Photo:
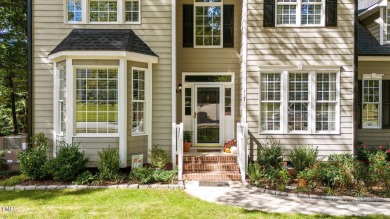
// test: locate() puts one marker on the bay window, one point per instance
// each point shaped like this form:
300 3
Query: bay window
138 101
299 102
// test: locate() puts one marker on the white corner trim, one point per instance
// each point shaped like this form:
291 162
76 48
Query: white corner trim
149 104
70 121
122 101
373 76
244 54
103 55
55 107
173 82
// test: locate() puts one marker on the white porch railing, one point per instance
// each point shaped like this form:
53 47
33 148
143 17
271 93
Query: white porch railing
242 151
177 149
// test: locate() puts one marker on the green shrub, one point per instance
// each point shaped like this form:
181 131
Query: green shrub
255 173
303 157
148 175
33 162
109 163
69 162
14 180
379 169
158 157
86 178
3 163
270 154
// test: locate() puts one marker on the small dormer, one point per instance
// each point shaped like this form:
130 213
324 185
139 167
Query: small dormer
374 15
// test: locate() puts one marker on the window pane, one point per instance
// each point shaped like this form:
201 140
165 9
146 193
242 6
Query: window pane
371 103
103 11
270 116
298 101
270 101
132 11
326 116
96 101
74 10
286 14
208 25
138 101
187 99
311 14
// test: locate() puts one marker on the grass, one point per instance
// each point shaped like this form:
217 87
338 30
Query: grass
124 204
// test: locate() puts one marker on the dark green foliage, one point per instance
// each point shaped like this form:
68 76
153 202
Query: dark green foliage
33 162
270 154
69 163
303 157
187 136
148 175
86 178
3 163
158 157
109 163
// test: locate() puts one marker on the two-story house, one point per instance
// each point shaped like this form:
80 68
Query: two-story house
123 73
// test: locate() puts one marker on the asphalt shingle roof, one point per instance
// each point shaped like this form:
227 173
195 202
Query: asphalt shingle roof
103 40
368 45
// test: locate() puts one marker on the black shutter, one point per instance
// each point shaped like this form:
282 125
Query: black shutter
228 26
188 25
359 108
269 13
331 13
386 104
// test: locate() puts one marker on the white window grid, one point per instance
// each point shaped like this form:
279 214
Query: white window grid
132 11
61 102
371 107
74 9
326 101
97 100
298 102
270 101
388 25
103 10
208 12
300 13
228 101
138 101
187 101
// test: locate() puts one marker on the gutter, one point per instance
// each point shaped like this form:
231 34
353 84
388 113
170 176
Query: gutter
355 80
29 71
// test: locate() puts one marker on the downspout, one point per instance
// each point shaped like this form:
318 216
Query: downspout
173 54
355 79
381 26
244 29
29 71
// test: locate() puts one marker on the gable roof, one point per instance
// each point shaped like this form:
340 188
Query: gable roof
103 40
365 4
368 45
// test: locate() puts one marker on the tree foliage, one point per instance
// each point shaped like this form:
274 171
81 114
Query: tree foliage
13 66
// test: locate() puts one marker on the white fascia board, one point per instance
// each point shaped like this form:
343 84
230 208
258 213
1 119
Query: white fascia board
298 67
103 55
374 58
369 11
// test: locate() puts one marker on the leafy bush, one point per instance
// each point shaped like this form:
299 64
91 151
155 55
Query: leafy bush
109 163
14 180
3 163
86 178
379 169
148 175
33 162
158 157
270 154
255 173
69 163
303 157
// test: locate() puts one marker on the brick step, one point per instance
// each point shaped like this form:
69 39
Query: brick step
214 159
207 166
212 176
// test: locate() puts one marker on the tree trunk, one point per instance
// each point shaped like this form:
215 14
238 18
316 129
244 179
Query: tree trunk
13 105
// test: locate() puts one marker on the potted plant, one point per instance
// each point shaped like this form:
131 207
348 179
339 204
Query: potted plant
187 137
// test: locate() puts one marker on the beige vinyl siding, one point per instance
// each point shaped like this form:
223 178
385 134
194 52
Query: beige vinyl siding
91 146
209 60
155 31
321 46
374 137
373 26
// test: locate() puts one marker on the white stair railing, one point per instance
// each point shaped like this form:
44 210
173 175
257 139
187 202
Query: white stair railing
177 149
242 151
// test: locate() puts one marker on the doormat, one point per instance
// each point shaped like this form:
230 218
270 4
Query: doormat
208 150
213 184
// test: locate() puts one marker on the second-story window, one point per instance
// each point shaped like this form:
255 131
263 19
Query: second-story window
103 11
300 12
132 11
208 23
74 10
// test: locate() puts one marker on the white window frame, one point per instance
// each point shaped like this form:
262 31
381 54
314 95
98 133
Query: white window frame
312 88
104 22
121 19
145 101
387 22
119 93
210 4
298 14
371 77
139 12
67 15
272 101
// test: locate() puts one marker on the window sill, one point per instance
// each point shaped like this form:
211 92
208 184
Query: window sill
96 135
138 134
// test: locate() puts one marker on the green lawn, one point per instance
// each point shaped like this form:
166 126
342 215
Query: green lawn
116 203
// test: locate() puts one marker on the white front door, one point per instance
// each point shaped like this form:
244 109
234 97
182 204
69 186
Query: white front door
208 120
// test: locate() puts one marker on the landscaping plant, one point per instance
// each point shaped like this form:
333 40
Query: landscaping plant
158 157
33 162
69 162
303 157
255 173
86 178
109 163
379 169
270 154
3 163
14 180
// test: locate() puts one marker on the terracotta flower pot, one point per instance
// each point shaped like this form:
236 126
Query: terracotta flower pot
187 146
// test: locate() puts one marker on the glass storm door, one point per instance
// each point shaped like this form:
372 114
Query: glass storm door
207 115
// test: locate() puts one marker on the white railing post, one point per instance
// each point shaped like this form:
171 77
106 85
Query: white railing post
180 151
242 142
174 145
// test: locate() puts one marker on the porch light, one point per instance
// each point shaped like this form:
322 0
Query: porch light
179 88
